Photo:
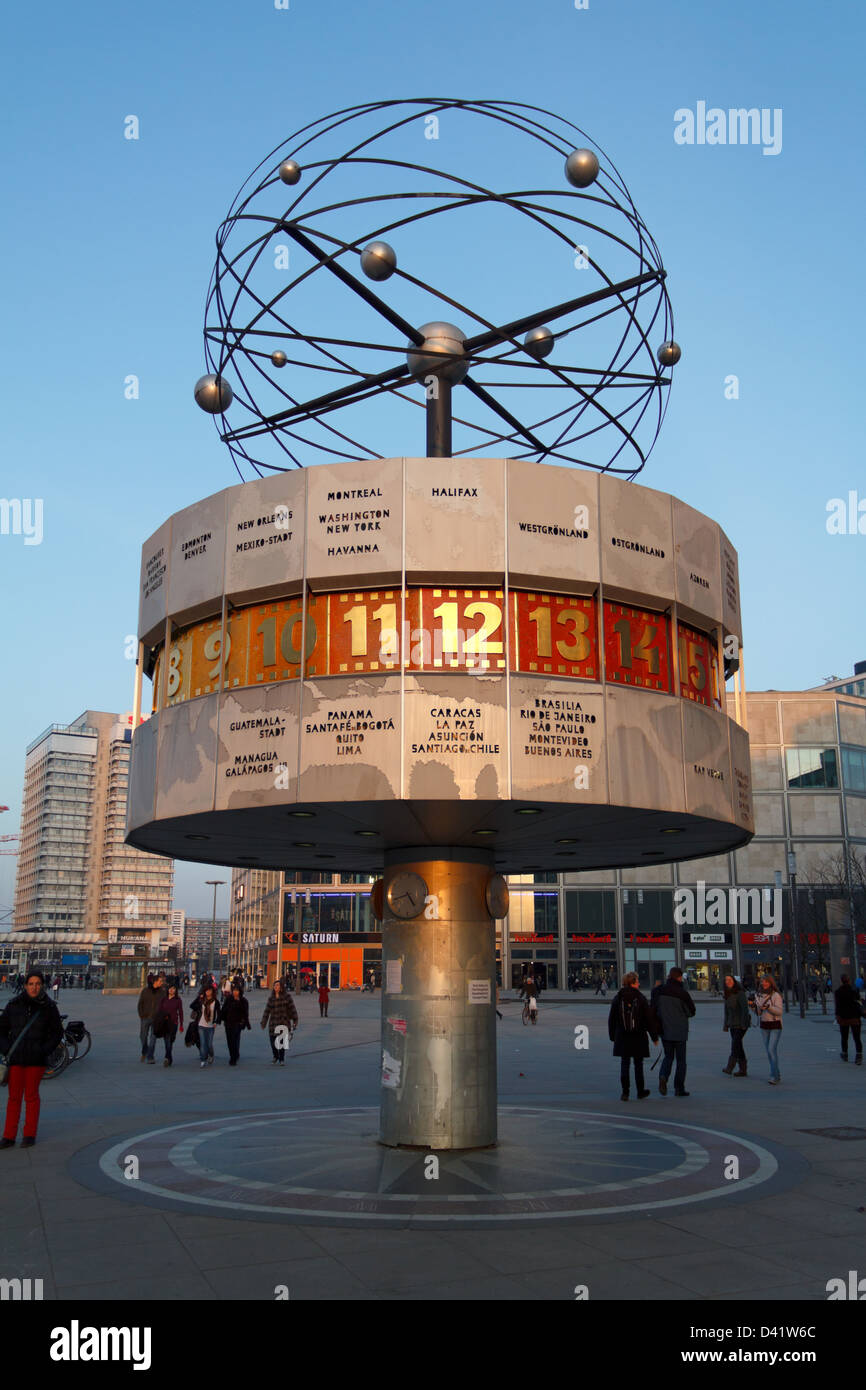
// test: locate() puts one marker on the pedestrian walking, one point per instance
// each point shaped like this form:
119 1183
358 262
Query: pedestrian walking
372 979
768 1006
169 1018
148 1007
324 997
206 1011
236 1017
280 1014
674 1007
30 1030
849 1018
55 988
736 1020
630 1024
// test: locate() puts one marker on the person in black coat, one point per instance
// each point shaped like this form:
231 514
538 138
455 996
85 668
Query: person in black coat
236 1017
207 1013
630 1024
848 1018
673 1007
34 1011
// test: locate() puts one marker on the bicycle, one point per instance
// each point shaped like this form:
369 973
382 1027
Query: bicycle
77 1037
529 1013
75 1043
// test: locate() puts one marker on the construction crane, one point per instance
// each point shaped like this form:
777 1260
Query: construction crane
7 837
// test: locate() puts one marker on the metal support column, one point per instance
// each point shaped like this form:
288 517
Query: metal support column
439 419
438 1005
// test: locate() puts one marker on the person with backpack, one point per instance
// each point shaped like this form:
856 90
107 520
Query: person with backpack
737 1020
236 1017
674 1007
849 1017
768 1006
629 1025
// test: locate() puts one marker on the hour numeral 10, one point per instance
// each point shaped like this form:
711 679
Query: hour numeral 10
291 628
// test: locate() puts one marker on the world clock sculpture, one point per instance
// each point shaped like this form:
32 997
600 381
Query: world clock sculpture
501 656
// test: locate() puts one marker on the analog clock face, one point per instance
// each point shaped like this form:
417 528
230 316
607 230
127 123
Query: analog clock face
406 894
376 899
496 895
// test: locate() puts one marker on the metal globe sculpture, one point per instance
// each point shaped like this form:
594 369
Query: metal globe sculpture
451 664
512 225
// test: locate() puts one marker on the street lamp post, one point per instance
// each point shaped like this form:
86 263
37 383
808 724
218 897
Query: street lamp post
786 956
217 883
795 937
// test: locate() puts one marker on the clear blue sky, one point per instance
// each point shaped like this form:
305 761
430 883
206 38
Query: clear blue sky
109 244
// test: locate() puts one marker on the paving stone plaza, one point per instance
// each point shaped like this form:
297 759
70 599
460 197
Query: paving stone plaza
260 1182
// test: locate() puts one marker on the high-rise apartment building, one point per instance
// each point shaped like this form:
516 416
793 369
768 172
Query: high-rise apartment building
198 932
78 885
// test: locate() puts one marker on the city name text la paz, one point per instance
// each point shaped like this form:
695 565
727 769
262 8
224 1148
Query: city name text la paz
77 1343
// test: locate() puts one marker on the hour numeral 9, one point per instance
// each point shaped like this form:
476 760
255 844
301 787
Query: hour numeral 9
212 649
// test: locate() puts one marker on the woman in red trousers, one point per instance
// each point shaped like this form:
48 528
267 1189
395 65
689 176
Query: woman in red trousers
30 1029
